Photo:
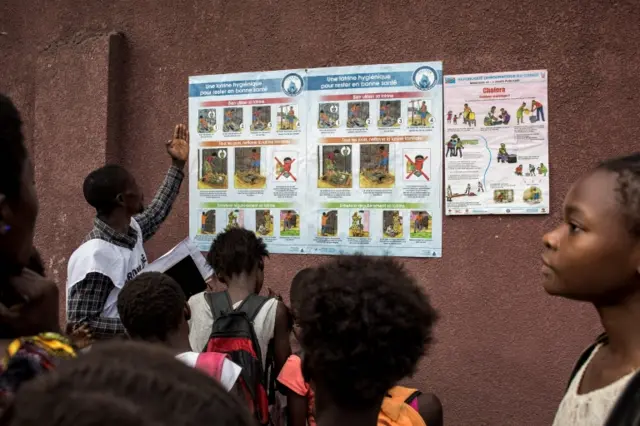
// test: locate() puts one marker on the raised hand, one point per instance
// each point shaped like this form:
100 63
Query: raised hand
178 147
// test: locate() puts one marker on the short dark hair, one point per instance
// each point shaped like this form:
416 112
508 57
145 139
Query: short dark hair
287 159
102 186
419 157
151 306
364 323
236 251
14 153
297 286
128 384
628 170
35 263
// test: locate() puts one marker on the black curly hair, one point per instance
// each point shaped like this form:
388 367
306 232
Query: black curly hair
296 292
236 251
151 306
628 170
102 186
364 324
125 384
14 153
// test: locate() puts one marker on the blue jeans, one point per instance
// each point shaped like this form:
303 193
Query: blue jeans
540 113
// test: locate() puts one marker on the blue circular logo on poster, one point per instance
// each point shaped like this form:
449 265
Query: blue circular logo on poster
424 78
292 85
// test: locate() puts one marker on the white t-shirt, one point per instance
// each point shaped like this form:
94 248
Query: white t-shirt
118 263
589 409
202 321
230 370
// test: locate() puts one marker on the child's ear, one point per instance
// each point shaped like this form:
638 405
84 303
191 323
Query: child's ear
120 199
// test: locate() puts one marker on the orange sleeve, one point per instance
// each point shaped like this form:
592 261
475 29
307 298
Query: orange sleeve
291 376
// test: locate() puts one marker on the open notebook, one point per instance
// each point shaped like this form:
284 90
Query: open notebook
185 264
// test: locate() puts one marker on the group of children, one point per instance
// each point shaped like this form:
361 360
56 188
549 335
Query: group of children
361 324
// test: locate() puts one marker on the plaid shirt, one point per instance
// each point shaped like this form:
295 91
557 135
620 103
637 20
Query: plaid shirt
88 297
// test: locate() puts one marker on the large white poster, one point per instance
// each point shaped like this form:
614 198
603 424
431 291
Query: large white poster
322 161
496 143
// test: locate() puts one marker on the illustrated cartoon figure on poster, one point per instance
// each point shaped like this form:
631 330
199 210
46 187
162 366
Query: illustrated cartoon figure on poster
328 115
356 229
466 193
468 116
420 225
419 115
468 190
455 119
449 193
374 167
520 113
358 114
289 223
490 119
504 116
213 173
206 121
454 146
261 121
232 120
283 168
532 170
542 170
208 222
504 156
232 219
329 224
389 114
264 223
334 168
291 117
503 196
287 118
480 187
392 224
538 109
532 195
424 82
449 115
250 173
415 166
519 170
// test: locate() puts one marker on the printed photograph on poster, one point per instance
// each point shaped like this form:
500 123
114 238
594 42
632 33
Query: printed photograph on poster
285 166
358 115
288 118
390 114
207 222
376 169
420 224
359 224
250 169
334 166
233 120
392 224
207 121
419 113
417 165
235 219
289 223
328 223
264 223
213 169
499 165
328 115
261 119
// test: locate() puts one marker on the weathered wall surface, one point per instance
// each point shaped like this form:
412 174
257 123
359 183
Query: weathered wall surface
504 348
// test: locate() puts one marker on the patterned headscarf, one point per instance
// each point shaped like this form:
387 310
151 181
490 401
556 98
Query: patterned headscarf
28 357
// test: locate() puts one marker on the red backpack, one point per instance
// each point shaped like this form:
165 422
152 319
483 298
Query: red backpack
233 334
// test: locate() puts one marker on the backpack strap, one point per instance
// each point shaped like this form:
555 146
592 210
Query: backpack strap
252 305
584 357
220 303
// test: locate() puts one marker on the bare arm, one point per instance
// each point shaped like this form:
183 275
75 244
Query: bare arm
282 347
430 409
297 406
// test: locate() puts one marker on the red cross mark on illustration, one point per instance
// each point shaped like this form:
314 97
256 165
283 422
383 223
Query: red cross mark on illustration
417 164
286 168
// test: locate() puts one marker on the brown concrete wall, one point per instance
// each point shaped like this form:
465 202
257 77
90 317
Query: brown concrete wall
504 348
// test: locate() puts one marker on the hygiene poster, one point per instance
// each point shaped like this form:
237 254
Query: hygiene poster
496 143
320 161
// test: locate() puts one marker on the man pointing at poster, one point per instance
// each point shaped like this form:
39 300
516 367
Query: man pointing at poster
113 252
